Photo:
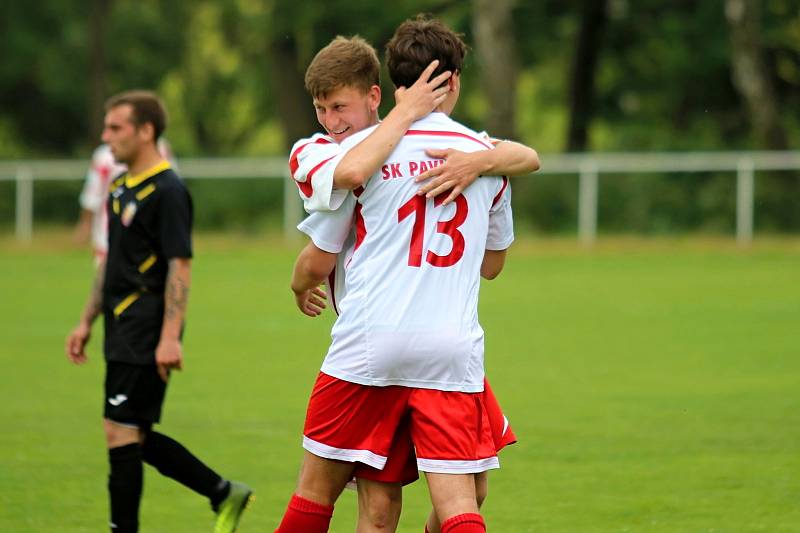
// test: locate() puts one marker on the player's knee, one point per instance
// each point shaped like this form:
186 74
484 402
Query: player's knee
480 497
481 488
383 509
117 435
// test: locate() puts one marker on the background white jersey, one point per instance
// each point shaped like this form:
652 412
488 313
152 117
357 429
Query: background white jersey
95 191
102 170
409 315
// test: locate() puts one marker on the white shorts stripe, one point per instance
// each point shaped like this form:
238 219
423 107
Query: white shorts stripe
440 466
341 454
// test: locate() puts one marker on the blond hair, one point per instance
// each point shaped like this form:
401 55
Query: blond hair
345 62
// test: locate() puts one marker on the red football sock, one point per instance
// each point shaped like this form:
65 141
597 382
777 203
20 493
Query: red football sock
305 516
464 523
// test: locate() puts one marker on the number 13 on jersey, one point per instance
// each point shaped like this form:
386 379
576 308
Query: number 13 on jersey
418 206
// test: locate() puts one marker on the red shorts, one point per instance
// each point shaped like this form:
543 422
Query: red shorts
451 431
501 430
401 465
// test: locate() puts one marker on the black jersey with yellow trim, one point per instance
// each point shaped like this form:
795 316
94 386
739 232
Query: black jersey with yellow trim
149 222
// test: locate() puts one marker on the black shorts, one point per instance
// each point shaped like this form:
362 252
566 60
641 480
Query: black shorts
134 394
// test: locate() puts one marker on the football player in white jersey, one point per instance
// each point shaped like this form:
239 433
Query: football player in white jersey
395 171
379 490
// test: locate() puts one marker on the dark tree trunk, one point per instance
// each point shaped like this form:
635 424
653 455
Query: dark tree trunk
751 75
98 20
582 74
294 109
496 54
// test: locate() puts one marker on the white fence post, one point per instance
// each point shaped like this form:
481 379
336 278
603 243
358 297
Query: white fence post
744 200
24 204
587 203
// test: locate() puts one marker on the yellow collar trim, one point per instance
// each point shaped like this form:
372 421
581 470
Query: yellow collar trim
133 181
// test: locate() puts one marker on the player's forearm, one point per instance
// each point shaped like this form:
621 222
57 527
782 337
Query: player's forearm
311 268
176 297
493 263
366 158
94 305
509 158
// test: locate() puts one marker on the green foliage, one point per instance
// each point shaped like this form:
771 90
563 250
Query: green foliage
247 204
42 85
664 79
664 82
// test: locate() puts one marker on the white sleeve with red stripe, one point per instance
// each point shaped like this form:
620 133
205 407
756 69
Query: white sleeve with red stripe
501 221
95 188
329 230
488 138
312 162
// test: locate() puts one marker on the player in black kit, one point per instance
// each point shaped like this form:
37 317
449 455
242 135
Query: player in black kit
142 290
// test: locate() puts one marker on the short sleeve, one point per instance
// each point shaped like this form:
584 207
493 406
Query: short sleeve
175 214
501 221
312 163
329 230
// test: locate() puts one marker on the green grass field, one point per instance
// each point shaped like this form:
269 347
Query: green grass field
654 386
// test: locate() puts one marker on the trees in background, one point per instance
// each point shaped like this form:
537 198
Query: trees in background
496 51
607 75
583 68
575 74
752 77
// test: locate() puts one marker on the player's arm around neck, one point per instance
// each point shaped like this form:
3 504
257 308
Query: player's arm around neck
461 169
169 352
510 158
412 104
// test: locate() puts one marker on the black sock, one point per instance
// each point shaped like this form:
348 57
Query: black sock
125 487
178 463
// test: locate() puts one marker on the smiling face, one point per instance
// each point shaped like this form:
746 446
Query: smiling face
347 110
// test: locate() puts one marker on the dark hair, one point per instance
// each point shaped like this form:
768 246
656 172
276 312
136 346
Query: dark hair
416 43
345 62
147 107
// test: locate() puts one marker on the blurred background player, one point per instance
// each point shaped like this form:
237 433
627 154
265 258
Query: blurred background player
93 220
142 287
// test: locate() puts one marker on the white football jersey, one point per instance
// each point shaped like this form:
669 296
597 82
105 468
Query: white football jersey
312 162
327 228
95 191
409 313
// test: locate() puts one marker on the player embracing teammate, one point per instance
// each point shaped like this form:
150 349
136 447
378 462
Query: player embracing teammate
406 359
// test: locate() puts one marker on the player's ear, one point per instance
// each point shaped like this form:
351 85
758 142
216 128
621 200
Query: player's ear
374 97
147 132
454 81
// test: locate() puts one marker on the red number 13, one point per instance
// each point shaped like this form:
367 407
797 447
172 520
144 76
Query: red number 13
417 206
